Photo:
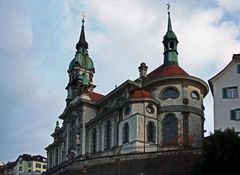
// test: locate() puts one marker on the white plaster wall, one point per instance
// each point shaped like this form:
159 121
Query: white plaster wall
222 106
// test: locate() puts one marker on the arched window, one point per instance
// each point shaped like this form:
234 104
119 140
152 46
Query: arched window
94 140
169 92
151 132
127 110
169 130
125 133
72 134
107 135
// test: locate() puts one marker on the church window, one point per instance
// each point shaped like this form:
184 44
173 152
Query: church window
170 92
169 130
230 92
150 109
195 95
125 133
56 156
127 110
94 140
151 132
72 134
107 134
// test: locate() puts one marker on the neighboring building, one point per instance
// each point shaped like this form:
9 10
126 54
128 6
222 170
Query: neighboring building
159 111
30 165
225 87
8 168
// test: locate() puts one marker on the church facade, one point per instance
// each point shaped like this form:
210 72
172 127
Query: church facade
159 111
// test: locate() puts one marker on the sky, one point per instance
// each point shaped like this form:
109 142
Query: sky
37 43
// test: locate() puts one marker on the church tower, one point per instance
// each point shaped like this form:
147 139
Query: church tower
180 96
81 70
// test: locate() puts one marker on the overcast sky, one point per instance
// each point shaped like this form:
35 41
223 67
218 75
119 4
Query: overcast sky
37 42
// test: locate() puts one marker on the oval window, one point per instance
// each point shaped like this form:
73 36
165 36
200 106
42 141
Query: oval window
170 93
195 95
150 109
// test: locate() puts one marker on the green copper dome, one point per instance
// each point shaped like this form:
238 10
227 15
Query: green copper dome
81 58
84 60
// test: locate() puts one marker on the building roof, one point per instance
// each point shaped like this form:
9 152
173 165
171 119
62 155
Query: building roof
210 81
28 157
167 70
95 97
139 93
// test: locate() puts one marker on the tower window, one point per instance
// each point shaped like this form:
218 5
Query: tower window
151 132
170 92
172 45
169 130
195 95
125 133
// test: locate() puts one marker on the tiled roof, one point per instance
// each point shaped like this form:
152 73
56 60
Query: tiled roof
169 70
95 97
139 93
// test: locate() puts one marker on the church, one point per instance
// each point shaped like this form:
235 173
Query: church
158 112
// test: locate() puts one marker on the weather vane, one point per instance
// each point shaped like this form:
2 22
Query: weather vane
168 7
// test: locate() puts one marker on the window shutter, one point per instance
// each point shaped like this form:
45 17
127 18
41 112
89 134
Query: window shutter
224 92
233 114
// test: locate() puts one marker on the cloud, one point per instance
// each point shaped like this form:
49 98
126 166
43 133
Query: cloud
231 5
16 33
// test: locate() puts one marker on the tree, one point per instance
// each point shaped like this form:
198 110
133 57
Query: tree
221 153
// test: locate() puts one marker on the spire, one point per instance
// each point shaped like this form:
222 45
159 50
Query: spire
170 42
169 23
82 43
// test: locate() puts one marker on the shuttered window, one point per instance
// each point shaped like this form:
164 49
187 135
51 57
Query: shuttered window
230 92
235 114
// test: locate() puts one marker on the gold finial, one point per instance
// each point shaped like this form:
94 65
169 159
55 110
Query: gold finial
83 16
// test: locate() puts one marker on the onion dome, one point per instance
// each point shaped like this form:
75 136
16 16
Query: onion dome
81 57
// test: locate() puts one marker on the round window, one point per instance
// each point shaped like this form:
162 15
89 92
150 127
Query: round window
170 92
195 95
150 109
